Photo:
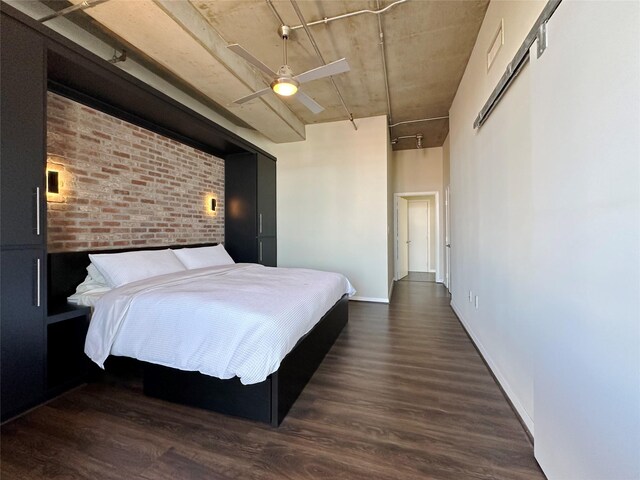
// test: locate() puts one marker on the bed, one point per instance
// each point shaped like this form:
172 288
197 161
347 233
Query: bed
246 395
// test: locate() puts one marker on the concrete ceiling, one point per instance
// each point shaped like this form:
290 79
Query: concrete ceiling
427 46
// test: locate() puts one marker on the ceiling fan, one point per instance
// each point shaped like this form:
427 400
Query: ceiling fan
285 83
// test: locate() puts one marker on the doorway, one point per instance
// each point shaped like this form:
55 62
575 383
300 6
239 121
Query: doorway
417 236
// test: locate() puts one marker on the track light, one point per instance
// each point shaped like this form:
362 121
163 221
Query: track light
418 138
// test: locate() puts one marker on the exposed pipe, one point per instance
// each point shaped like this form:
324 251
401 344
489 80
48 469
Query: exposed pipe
418 121
315 47
275 12
417 136
384 64
351 14
80 6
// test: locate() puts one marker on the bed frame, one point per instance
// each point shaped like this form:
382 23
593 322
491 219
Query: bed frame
268 401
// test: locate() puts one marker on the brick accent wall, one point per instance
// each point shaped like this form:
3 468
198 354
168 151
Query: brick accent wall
124 186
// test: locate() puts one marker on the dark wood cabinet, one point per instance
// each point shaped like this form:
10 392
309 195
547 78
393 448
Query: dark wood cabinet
22 323
22 133
266 196
250 208
23 215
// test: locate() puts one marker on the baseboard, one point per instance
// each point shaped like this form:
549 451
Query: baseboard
370 299
518 408
439 280
391 288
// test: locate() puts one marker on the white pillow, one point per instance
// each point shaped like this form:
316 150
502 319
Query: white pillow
89 291
94 274
122 268
201 257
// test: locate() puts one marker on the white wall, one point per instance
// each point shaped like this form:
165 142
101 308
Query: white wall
545 231
491 207
421 170
333 205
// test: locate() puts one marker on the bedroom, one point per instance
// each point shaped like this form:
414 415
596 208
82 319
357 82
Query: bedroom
506 247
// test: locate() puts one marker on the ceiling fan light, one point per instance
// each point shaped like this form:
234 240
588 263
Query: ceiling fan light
285 87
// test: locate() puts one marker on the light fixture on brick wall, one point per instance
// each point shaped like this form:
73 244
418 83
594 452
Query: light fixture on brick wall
53 185
213 204
55 177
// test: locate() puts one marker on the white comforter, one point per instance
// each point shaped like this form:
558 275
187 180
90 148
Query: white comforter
235 320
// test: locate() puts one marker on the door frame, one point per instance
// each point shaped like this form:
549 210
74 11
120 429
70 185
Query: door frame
436 195
447 237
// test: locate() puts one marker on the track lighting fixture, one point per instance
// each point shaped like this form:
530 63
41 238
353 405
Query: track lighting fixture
418 138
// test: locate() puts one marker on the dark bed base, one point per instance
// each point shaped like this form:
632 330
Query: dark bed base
268 401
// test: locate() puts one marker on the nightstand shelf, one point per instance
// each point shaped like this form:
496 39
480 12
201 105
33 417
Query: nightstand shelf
67 365
67 311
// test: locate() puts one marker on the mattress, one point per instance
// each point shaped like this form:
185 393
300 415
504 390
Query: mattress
226 321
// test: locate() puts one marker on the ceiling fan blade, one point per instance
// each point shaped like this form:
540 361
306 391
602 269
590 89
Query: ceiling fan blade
309 102
257 94
238 50
333 68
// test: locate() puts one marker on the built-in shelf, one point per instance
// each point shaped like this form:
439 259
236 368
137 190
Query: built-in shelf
66 311
67 365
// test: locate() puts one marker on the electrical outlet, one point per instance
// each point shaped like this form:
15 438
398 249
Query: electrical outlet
476 302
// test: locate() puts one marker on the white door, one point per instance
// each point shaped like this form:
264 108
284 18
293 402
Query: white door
447 239
418 236
586 230
402 239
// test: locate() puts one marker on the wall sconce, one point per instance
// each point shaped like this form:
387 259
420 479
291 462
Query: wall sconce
53 181
56 178
213 204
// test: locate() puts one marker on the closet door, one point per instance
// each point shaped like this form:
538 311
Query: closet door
586 181
22 323
266 196
22 134
250 208
267 251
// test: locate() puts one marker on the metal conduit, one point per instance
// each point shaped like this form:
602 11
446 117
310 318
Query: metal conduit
315 47
418 121
80 6
351 14
384 63
275 12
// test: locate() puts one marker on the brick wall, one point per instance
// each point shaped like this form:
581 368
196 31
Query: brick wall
124 186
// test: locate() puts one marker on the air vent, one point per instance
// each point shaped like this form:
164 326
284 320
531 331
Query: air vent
496 43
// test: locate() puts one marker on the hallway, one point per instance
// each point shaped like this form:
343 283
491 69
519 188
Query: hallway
402 395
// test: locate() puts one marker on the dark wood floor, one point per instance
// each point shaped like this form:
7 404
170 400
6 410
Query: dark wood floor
402 395
419 277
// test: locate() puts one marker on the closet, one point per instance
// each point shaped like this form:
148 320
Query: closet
23 231
250 208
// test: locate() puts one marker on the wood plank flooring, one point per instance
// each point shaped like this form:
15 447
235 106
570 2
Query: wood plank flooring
403 394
